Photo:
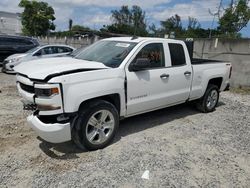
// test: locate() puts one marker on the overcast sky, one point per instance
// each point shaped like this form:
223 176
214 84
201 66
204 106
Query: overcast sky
96 13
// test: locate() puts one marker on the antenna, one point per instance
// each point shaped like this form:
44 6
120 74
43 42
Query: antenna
134 36
135 27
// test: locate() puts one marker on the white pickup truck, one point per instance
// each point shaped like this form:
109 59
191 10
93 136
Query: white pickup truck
82 98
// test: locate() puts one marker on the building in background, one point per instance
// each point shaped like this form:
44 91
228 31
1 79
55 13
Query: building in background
10 23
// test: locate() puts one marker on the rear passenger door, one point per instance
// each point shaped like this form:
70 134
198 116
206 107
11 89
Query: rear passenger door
180 73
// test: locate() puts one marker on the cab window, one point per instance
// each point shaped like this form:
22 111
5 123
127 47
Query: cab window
177 54
154 53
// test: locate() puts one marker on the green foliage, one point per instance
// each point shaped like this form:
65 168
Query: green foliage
234 19
37 17
154 32
76 30
128 21
172 25
79 29
193 23
199 33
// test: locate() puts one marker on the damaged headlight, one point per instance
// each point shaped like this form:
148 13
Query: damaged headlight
48 92
48 97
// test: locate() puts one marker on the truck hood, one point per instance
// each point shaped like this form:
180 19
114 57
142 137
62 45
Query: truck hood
50 67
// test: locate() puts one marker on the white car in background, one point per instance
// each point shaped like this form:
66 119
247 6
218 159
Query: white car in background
43 51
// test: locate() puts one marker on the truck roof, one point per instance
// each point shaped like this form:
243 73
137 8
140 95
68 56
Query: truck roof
188 44
139 39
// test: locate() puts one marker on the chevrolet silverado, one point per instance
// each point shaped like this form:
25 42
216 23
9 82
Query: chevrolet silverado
82 98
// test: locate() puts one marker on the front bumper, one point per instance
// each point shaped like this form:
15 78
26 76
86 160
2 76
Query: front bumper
7 69
51 132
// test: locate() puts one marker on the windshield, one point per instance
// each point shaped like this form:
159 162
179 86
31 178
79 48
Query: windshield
76 52
110 53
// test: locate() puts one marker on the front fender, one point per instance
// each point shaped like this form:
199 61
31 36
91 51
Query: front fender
79 87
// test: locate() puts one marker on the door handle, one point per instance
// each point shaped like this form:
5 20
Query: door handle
164 76
187 73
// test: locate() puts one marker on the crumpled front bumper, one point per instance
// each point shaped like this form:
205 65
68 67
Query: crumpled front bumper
51 132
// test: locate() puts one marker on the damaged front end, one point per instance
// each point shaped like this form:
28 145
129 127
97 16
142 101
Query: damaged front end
44 104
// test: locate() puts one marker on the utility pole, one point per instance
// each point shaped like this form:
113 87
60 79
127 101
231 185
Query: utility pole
214 15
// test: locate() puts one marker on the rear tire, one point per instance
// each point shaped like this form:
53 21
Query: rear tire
96 125
209 100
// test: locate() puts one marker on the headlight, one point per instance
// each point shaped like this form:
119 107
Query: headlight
14 60
10 61
46 92
48 97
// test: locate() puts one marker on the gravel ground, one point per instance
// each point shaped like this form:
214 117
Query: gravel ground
179 146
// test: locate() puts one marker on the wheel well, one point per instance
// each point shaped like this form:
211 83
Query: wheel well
113 99
216 81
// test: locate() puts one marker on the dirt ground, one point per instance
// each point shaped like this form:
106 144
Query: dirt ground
179 146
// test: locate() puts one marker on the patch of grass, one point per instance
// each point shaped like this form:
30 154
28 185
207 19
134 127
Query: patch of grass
241 90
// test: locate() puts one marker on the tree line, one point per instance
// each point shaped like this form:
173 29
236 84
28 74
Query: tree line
38 20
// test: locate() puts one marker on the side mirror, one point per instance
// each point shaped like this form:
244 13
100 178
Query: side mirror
140 64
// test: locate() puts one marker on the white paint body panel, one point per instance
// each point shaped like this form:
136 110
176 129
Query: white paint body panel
54 133
202 75
91 84
40 69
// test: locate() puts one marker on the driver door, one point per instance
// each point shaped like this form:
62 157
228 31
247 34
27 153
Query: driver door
146 89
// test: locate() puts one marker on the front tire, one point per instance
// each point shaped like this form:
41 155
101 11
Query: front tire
96 125
210 99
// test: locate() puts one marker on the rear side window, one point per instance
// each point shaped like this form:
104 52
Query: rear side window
48 50
64 49
177 54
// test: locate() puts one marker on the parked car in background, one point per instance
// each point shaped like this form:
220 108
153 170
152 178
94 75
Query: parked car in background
15 44
43 51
